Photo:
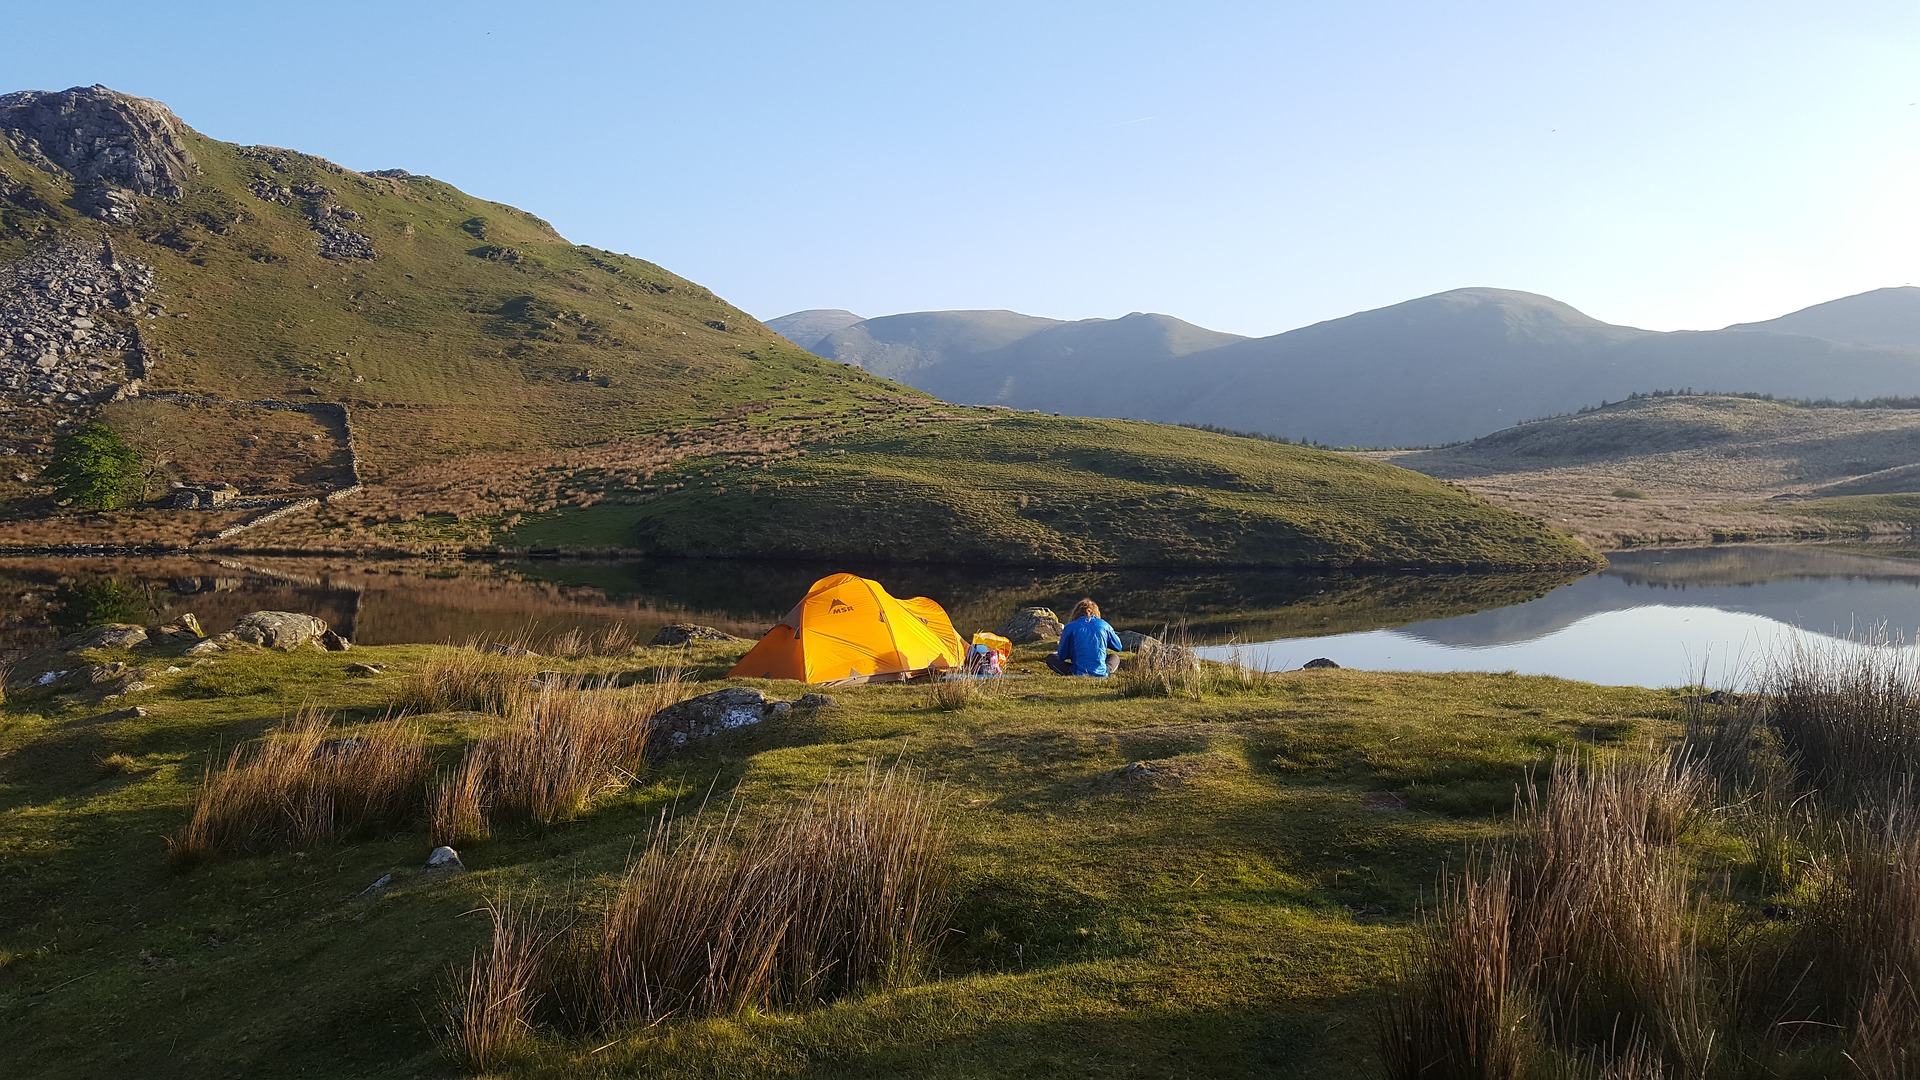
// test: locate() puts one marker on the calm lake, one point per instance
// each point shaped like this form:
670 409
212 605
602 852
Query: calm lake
1653 618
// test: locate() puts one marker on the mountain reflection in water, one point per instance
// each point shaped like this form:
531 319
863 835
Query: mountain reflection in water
1652 618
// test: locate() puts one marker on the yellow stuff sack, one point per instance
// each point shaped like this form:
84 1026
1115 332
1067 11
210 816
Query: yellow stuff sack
996 643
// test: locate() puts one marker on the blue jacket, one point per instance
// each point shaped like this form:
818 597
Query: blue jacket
1084 643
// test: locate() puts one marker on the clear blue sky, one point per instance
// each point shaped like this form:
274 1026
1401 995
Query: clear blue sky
1251 167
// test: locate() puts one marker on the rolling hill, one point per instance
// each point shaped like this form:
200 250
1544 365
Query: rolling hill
1439 369
381 362
1880 317
1694 468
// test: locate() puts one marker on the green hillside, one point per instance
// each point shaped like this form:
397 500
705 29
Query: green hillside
508 389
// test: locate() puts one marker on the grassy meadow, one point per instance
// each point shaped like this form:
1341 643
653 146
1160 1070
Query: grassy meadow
1207 884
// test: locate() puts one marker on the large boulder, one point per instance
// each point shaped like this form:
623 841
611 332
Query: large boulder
710 714
278 629
683 633
1030 625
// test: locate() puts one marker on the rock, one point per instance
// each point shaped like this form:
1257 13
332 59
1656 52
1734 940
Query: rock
48 678
210 645
104 140
333 642
110 636
184 628
683 633
445 859
1318 662
283 630
379 886
710 714
365 669
497 649
1133 640
1029 625
815 701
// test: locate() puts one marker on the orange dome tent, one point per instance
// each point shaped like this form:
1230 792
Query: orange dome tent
848 628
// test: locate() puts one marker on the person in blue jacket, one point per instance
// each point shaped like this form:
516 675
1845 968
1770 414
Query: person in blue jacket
1084 642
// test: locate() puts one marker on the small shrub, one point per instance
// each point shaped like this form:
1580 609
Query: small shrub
119 764
962 692
94 468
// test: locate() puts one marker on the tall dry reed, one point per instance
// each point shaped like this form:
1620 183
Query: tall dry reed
457 805
1164 668
304 785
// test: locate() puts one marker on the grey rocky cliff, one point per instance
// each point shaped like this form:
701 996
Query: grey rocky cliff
112 145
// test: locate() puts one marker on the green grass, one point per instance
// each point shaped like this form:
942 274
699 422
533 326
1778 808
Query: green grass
1234 916
997 488
576 398
1866 512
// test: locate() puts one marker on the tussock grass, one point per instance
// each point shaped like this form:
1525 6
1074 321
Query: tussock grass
1848 716
305 785
844 892
1456 1015
492 1002
618 639
469 678
457 806
566 741
948 695
1580 931
1168 668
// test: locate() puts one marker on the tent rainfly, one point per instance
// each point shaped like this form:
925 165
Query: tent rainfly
849 629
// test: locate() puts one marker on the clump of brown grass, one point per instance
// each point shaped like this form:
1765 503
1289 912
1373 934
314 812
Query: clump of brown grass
492 1002
565 742
617 639
1863 937
1848 714
948 693
1455 1014
1166 668
457 807
1583 924
1604 923
299 787
468 678
843 892
6 676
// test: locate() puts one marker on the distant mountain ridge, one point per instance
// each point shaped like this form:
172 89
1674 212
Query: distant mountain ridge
1438 369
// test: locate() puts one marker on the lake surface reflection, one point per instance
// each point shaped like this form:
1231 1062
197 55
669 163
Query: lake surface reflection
1653 618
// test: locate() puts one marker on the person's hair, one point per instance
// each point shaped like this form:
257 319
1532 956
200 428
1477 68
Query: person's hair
1085 607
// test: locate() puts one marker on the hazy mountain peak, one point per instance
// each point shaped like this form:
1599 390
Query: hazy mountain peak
806 328
1880 317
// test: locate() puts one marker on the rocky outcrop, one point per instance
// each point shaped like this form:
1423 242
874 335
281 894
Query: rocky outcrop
711 714
111 145
328 218
1030 625
684 633
278 629
66 330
